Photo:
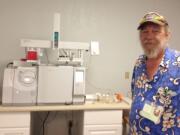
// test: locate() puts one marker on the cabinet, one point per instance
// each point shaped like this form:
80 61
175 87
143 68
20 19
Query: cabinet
103 122
15 123
14 131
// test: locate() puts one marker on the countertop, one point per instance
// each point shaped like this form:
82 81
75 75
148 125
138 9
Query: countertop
123 105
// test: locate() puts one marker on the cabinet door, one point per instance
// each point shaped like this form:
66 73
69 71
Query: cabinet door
14 131
103 130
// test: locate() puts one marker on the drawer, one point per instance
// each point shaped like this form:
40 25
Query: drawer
103 117
103 130
14 119
14 131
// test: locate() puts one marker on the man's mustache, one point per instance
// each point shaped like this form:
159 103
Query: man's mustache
148 41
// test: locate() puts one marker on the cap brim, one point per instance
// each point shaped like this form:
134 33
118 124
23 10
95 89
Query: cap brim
150 21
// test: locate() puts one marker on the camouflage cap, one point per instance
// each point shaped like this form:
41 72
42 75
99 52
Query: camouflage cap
154 18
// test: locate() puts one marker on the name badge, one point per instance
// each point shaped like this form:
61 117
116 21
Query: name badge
152 112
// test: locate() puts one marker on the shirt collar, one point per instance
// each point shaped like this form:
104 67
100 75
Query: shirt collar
166 58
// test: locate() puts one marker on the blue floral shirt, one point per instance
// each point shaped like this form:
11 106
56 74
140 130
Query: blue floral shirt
163 89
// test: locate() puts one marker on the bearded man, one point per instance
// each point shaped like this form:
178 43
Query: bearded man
155 109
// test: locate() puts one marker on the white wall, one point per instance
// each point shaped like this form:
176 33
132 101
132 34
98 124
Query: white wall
112 22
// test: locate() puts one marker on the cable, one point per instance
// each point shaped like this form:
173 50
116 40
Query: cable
44 121
70 118
52 117
70 125
10 63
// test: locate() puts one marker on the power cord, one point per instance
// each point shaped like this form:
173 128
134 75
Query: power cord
70 125
11 63
48 120
44 122
70 119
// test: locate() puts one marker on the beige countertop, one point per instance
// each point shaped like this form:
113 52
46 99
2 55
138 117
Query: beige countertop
87 106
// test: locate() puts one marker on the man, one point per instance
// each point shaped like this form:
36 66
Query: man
155 108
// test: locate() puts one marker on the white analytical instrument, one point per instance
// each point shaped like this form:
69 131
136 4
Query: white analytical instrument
53 72
61 79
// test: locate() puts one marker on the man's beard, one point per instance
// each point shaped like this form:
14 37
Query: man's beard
154 51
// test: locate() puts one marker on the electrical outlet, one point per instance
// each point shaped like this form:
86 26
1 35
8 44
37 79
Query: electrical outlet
127 75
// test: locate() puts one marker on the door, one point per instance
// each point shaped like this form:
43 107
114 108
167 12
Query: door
25 85
55 84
